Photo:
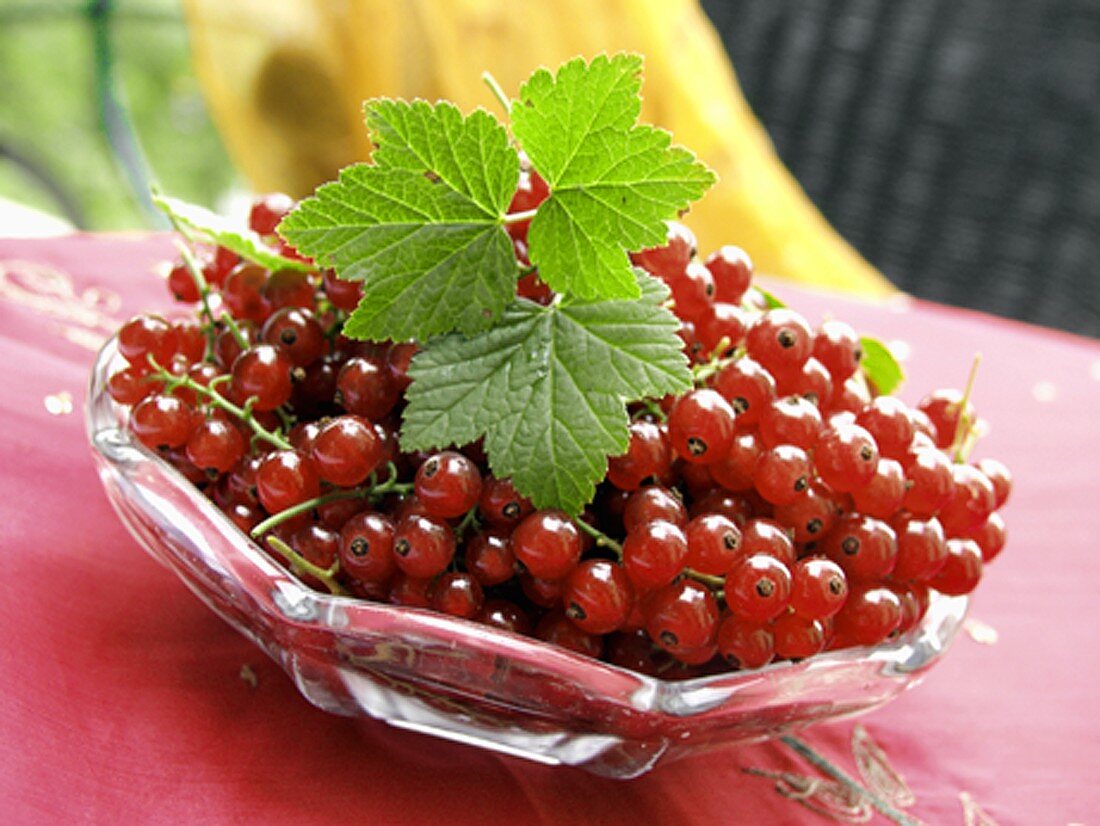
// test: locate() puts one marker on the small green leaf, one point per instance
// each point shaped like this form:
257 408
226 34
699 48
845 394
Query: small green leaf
770 300
215 229
879 365
613 184
547 387
421 226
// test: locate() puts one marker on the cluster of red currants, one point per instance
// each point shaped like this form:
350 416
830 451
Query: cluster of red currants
776 510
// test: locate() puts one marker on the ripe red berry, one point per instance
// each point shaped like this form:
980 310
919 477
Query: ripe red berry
714 544
285 478
961 570
548 543
448 484
780 340
366 547
654 554
745 644
837 346
267 211
598 596
797 637
500 504
865 547
162 421
782 474
457 594
870 614
701 426
758 588
845 457
147 336
749 389
490 558
423 546
652 503
346 451
819 588
732 271
682 617
263 373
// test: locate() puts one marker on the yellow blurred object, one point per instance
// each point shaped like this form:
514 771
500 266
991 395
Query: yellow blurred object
285 82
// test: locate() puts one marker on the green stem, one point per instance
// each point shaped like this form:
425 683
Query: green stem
234 330
963 426
199 278
602 539
469 520
707 579
173 381
653 409
301 565
498 92
841 777
701 372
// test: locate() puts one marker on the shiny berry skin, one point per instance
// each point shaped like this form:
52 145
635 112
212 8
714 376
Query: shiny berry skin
780 340
682 617
962 569
990 536
971 502
267 211
366 387
448 484
344 295
297 333
758 588
284 289
811 515
181 284
766 536
219 265
531 191
749 389
652 503
890 423
921 548
131 384
649 454
162 421
745 644
423 546
722 323
736 508
346 450
598 596
790 420
797 637
548 543
865 547
243 293
883 495
693 291
263 372
672 258
819 588
943 408
226 346
489 558
147 336
701 426
782 474
837 346
285 478
735 471
366 547
930 483
654 554
412 592
870 614
216 445
500 504
505 615
545 593
845 457
457 594
732 270
1001 479
714 544
811 381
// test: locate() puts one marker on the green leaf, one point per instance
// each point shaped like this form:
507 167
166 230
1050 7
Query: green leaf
547 387
879 365
612 183
211 227
770 300
422 225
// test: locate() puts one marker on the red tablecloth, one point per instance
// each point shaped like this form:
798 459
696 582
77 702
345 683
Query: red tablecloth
122 698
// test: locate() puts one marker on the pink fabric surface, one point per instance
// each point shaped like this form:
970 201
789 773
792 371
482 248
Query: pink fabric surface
121 696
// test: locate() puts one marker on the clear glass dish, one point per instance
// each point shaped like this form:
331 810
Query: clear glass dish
455 679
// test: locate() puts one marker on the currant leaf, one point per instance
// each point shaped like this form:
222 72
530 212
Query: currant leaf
547 388
421 226
612 183
213 228
879 365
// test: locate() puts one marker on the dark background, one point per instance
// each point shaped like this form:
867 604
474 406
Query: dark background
955 143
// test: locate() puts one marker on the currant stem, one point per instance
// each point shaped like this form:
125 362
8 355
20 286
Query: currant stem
197 276
964 425
701 372
372 490
234 330
494 87
173 381
469 520
707 579
299 564
653 409
819 762
602 539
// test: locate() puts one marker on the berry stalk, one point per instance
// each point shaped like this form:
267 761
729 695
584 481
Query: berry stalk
301 565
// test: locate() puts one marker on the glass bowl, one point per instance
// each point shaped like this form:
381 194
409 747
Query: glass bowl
420 670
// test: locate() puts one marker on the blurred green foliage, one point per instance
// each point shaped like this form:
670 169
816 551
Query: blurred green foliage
54 151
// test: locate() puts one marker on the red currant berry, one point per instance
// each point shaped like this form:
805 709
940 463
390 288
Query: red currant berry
701 426
147 336
296 332
216 445
782 474
791 420
654 554
263 372
505 615
962 569
866 548
500 504
267 211
285 478
598 596
457 594
557 629
745 644
548 543
846 457
489 557
652 503
971 502
732 271
448 484
929 483
346 451
921 548
811 515
780 340
736 470
682 617
714 544
818 588
648 454
366 387
672 258
837 346
423 546
797 637
758 588
890 423
766 536
749 389
162 421
883 495
1001 479
344 295
943 408
870 614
